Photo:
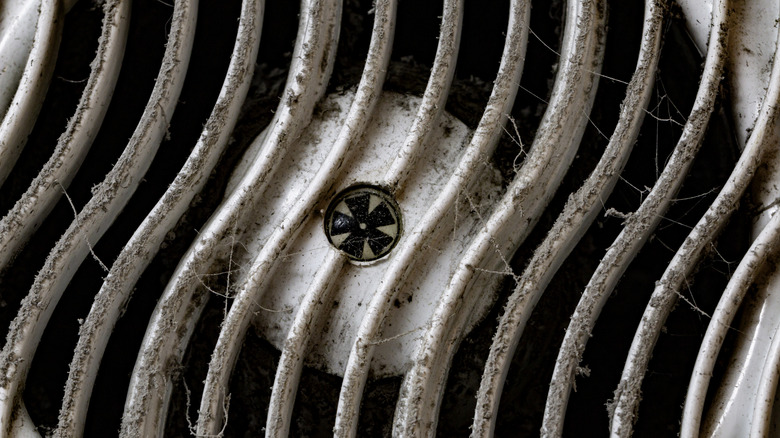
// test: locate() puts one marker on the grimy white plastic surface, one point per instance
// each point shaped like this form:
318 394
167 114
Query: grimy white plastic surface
108 199
18 21
739 407
405 313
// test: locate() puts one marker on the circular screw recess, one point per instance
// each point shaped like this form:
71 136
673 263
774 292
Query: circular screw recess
363 222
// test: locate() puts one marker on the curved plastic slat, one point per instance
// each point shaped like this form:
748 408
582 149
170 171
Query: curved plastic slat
288 371
482 144
571 224
369 90
105 205
20 117
664 297
765 397
180 306
638 228
435 96
41 196
762 248
234 327
17 30
308 316
143 245
553 149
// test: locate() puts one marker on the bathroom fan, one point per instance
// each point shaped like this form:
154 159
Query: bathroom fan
389 218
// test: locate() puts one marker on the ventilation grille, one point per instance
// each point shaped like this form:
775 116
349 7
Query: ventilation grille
388 218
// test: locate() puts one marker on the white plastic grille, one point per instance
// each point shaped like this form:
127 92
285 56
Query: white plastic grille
583 197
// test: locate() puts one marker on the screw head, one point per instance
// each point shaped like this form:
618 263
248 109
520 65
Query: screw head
363 222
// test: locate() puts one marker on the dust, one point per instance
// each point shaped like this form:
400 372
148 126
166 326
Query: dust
78 224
